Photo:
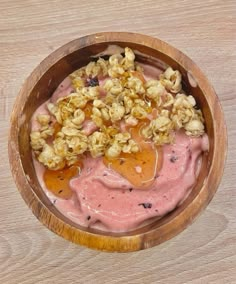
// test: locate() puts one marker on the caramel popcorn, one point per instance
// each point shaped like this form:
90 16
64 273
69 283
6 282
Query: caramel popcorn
78 144
37 142
46 132
136 84
114 95
113 86
116 112
194 128
90 93
183 110
97 143
49 158
122 142
154 89
79 117
43 119
130 120
171 80
60 147
113 151
93 69
78 83
159 129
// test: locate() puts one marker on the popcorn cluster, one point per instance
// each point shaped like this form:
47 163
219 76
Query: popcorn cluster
124 98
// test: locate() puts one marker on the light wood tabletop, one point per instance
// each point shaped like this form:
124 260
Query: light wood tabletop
206 251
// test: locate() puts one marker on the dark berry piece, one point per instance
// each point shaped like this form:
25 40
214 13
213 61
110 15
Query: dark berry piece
92 82
146 205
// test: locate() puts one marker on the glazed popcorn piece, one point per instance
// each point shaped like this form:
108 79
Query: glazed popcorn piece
171 80
97 143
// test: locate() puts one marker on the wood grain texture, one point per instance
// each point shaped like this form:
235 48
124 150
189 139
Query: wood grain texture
205 252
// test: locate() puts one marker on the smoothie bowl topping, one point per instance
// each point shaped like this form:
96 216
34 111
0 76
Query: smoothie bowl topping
119 142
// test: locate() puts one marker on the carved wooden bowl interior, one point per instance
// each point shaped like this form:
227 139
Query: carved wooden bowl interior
42 83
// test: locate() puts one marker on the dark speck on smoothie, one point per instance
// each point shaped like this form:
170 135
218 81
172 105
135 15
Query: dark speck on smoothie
112 197
89 217
99 205
130 189
92 82
173 159
60 191
105 174
122 162
54 201
190 154
146 205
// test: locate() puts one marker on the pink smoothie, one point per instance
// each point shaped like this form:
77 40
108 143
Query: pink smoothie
104 200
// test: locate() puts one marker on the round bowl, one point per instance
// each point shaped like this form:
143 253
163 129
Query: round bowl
40 85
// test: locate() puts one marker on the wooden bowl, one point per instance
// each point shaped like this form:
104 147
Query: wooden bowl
42 83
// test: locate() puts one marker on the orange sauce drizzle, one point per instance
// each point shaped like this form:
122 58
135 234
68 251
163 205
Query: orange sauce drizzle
57 127
140 168
139 75
58 182
88 110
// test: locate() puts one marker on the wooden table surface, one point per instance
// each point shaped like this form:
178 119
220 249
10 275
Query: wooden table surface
206 251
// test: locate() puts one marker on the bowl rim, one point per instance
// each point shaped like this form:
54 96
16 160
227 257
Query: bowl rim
130 242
